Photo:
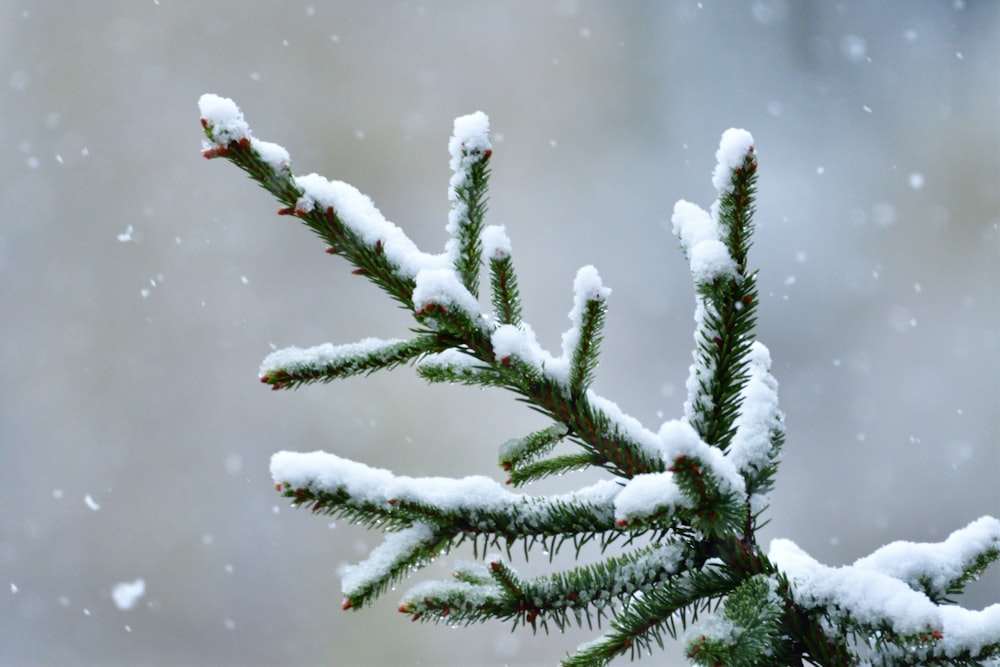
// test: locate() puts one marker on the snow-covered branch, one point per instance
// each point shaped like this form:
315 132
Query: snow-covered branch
678 505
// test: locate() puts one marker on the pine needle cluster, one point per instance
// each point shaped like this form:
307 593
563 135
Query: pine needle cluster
681 505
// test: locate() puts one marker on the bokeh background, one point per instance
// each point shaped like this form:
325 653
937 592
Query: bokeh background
141 285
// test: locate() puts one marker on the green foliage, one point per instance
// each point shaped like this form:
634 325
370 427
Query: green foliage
680 507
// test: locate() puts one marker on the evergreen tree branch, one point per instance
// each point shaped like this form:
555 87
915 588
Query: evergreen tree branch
520 451
659 610
557 465
503 280
470 154
694 489
716 246
576 596
292 367
746 630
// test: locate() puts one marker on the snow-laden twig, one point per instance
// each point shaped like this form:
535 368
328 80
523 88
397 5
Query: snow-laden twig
680 504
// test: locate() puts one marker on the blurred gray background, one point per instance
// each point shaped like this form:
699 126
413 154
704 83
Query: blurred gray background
142 285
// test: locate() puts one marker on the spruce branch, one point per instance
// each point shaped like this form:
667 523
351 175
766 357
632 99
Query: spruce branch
470 155
716 245
292 367
503 281
682 504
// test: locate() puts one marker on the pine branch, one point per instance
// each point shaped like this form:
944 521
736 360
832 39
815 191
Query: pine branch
470 154
659 611
503 280
692 492
577 596
746 630
292 367
716 246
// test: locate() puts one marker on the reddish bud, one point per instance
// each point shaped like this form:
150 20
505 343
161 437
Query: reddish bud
392 501
244 142
204 123
360 272
403 609
488 153
331 217
277 487
317 505
215 151
286 210
936 634
495 566
621 523
445 611
378 247
717 340
346 604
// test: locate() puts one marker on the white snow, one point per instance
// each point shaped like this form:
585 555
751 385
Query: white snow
587 287
680 439
692 224
323 471
225 117
470 139
479 594
272 153
698 232
469 142
127 593
733 149
496 244
759 415
648 494
870 592
91 503
628 425
355 578
936 564
228 125
710 260
359 214
295 360
519 342
443 288
453 359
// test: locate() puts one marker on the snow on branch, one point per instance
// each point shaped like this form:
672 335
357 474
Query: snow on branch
716 245
293 366
883 590
470 150
936 568
357 212
225 124
682 502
